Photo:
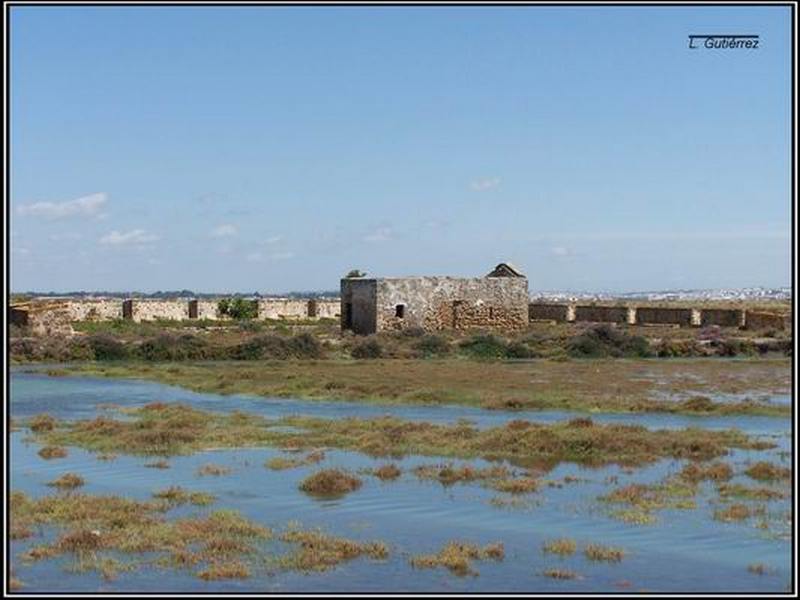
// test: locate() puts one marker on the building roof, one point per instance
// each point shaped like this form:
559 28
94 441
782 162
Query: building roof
506 269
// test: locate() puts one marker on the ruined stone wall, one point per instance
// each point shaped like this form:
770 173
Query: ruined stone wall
723 317
207 309
151 310
548 312
647 315
764 320
101 309
436 303
602 314
282 308
358 302
328 309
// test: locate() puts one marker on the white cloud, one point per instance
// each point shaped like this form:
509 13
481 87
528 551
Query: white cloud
560 251
224 230
134 237
86 206
273 239
481 185
381 234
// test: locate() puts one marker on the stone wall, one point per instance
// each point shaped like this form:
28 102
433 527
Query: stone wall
282 308
602 314
764 320
151 310
437 303
328 309
548 312
649 315
723 317
101 309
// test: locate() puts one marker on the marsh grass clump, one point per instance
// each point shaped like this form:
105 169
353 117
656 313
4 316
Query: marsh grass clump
176 496
598 552
213 470
157 464
456 556
519 485
96 529
449 474
279 463
716 471
330 482
642 499
68 481
767 471
51 452
737 490
560 574
734 512
318 551
41 423
603 341
387 472
225 570
758 569
562 547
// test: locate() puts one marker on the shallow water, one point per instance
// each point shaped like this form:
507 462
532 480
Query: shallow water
686 550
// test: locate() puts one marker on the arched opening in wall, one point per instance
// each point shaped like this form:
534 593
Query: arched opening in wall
127 309
400 311
192 309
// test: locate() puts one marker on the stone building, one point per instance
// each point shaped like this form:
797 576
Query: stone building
497 301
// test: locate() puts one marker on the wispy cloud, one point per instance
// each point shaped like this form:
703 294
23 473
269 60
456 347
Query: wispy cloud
86 206
381 234
481 185
224 230
273 239
133 237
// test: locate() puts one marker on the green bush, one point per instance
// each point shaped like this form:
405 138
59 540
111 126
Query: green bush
431 345
167 347
272 346
367 349
485 346
105 347
519 350
604 341
238 308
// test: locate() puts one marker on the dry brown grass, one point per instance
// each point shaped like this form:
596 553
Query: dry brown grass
598 552
560 574
717 471
387 472
225 570
767 471
67 481
456 556
279 463
213 470
176 496
51 452
562 547
330 482
734 512
318 551
42 423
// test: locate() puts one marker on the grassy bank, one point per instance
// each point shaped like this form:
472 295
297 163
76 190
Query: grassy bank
169 429
674 386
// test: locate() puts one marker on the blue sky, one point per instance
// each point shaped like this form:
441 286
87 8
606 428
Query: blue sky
274 149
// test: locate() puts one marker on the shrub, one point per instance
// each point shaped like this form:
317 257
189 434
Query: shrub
605 341
278 347
367 349
167 347
519 350
431 345
484 346
105 347
238 308
330 482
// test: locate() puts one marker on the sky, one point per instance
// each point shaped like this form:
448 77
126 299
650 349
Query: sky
274 149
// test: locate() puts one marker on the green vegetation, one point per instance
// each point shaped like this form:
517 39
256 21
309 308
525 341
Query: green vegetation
318 551
603 341
387 472
599 552
96 529
167 429
601 385
560 574
238 308
68 481
280 463
457 556
177 496
561 547
330 482
766 471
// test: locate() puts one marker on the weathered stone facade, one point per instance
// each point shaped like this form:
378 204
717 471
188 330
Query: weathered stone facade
653 315
498 301
602 314
558 313
765 320
723 317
